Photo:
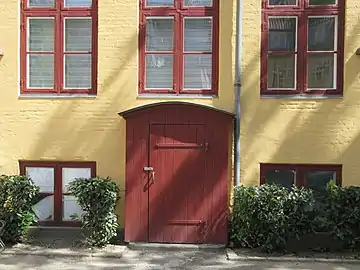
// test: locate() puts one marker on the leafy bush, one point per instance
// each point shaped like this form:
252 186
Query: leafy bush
97 197
17 194
343 210
268 215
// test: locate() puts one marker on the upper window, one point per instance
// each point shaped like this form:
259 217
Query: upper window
179 47
58 47
302 47
311 176
55 205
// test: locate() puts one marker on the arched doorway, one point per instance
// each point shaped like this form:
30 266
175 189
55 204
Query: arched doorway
177 173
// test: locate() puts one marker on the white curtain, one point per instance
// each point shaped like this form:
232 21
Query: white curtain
197 41
78 38
159 67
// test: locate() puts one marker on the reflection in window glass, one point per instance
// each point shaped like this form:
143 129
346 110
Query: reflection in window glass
159 71
159 34
321 34
282 178
321 71
282 2
281 71
41 3
198 3
43 207
318 180
78 3
197 71
322 2
282 34
159 3
198 34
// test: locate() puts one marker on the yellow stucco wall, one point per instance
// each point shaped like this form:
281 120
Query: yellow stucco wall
300 131
88 129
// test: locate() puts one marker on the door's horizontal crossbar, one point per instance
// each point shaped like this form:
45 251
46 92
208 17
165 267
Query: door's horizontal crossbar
186 222
181 146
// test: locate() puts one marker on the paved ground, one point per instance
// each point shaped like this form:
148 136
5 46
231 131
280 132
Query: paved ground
159 259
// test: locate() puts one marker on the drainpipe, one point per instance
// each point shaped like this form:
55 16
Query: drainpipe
237 88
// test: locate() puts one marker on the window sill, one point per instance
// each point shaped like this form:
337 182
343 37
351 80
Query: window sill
169 96
310 97
55 96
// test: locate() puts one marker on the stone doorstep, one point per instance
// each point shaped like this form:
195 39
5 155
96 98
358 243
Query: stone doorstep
232 256
159 246
110 251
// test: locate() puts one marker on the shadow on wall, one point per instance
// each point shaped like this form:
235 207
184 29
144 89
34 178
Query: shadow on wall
80 129
86 129
275 130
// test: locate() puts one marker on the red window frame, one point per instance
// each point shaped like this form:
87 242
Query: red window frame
59 12
178 12
57 166
301 170
302 11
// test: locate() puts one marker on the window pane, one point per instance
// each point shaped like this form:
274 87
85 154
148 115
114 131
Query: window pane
198 71
282 178
198 3
160 3
198 35
322 2
321 33
281 71
78 35
41 70
282 34
41 3
44 208
41 35
319 180
70 174
71 209
282 2
78 71
321 70
78 3
159 71
159 34
42 177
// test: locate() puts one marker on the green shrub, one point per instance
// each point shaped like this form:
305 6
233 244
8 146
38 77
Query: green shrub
17 194
97 197
266 216
343 210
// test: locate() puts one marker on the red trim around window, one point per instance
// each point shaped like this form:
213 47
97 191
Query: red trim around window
178 12
57 166
302 11
301 170
58 12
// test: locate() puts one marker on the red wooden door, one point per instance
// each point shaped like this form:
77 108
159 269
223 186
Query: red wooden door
177 155
187 146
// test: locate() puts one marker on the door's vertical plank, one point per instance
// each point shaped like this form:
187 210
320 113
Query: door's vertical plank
219 180
135 197
130 217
